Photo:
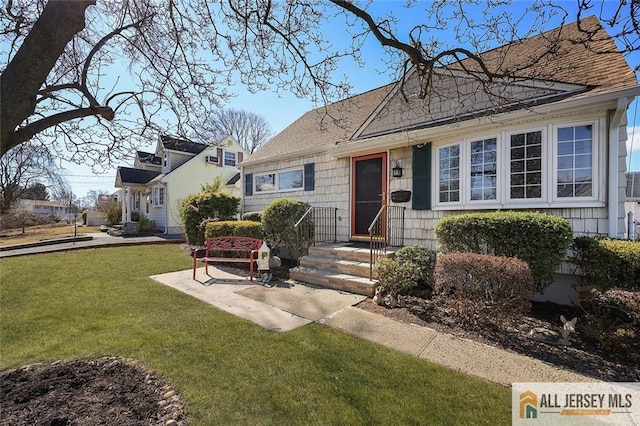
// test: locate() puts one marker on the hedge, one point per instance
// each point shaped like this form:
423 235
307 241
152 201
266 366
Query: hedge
539 239
606 263
235 228
411 268
197 208
278 221
501 284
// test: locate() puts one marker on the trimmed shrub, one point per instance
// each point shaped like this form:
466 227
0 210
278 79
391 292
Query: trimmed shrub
484 282
612 318
540 240
232 228
235 228
411 268
197 208
606 263
278 220
135 216
254 216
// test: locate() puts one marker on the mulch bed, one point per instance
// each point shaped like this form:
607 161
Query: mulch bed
91 391
583 356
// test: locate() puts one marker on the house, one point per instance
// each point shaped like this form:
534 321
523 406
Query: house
44 207
551 140
632 204
157 183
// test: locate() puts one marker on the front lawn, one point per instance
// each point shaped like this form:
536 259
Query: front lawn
100 302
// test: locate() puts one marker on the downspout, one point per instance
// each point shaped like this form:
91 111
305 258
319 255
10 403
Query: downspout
166 208
614 161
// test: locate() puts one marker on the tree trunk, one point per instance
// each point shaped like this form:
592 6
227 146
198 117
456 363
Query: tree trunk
60 21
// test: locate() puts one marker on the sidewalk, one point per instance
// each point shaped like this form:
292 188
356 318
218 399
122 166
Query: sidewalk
99 239
288 305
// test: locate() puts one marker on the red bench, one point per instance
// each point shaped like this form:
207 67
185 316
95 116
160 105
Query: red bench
246 245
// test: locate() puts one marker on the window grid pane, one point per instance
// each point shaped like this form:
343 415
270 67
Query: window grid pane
575 175
526 165
483 170
449 175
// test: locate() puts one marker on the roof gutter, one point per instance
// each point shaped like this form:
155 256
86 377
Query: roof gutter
614 164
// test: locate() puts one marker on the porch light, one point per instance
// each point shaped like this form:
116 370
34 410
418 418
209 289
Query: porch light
397 170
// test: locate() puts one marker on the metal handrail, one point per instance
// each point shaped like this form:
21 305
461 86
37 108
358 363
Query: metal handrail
317 225
386 230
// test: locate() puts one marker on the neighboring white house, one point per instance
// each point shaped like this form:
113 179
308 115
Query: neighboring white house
159 181
551 141
44 207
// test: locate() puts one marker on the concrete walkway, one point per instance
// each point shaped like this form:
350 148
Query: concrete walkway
287 305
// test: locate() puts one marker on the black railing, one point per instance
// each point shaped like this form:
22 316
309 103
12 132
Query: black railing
386 230
317 225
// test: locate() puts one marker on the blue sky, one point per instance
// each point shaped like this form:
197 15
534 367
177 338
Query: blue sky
281 110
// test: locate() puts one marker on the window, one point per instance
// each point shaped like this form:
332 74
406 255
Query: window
266 182
554 163
525 165
574 174
158 196
290 180
449 174
229 158
136 201
484 176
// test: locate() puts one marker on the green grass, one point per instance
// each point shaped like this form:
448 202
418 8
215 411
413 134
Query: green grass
230 371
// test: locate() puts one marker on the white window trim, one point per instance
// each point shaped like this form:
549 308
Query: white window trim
545 152
436 190
596 171
277 181
465 170
156 196
503 200
224 158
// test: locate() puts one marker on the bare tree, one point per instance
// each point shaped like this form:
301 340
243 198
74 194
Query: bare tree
24 167
251 130
66 81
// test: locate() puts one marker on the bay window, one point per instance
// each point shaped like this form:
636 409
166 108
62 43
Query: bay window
554 163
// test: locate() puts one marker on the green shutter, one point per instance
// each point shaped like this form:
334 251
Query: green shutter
309 176
421 177
248 184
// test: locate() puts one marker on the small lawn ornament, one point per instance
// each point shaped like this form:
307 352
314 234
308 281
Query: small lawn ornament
378 297
264 262
559 337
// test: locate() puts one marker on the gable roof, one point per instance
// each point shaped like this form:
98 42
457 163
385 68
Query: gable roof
580 52
131 176
567 68
181 145
322 126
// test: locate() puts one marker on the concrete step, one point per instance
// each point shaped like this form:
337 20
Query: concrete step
351 267
354 252
335 280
